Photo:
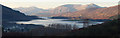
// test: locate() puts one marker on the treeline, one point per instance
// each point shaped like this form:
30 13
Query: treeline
110 28
63 26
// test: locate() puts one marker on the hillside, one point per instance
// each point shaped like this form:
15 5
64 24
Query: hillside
9 14
100 13
110 29
114 17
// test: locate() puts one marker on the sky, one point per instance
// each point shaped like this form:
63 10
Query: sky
47 4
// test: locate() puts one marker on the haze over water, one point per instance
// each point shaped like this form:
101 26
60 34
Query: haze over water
56 21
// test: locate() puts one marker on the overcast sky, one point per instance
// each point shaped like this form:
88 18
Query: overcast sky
46 4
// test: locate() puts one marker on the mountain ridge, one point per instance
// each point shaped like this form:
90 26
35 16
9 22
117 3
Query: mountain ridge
100 13
63 9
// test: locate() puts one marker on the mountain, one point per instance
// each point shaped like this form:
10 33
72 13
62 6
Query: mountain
58 10
64 9
9 14
88 6
116 16
30 10
72 8
99 13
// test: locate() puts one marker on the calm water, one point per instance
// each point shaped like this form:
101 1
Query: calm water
53 21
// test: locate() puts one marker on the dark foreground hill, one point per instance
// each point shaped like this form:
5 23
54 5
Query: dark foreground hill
110 28
9 14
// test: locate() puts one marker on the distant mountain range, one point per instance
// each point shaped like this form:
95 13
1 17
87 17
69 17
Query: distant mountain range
58 10
91 11
30 10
